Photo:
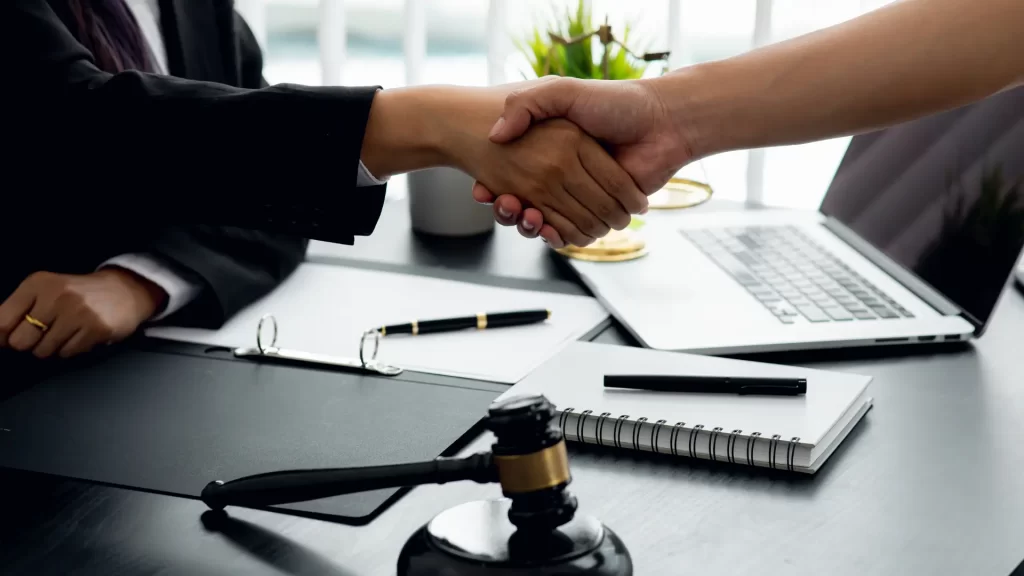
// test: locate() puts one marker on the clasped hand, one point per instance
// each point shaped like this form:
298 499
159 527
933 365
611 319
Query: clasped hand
634 126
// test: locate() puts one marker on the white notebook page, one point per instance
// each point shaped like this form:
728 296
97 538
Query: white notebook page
575 379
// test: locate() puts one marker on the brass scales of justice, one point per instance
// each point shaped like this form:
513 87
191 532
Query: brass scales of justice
678 193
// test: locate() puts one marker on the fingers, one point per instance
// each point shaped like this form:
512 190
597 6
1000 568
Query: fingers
82 342
507 210
597 200
613 180
25 336
531 222
481 194
569 231
551 236
56 337
549 98
13 310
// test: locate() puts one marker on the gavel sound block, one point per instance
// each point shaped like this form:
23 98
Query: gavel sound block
533 530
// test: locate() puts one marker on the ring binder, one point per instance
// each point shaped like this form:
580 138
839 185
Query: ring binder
272 352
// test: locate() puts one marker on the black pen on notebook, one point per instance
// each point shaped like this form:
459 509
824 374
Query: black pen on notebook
480 321
709 384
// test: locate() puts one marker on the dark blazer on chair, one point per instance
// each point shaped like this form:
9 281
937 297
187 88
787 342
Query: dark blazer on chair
210 144
208 169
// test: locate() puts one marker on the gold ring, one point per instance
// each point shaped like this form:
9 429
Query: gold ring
36 323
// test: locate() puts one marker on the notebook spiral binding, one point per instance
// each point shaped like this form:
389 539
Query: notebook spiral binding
675 432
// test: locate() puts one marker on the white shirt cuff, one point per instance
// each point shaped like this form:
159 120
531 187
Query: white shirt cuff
364 178
180 291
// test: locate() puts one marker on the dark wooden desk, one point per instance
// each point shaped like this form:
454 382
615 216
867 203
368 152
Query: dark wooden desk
929 483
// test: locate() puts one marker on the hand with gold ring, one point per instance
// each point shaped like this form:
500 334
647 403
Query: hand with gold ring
66 315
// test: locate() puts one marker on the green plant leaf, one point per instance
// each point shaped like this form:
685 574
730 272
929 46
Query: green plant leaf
578 60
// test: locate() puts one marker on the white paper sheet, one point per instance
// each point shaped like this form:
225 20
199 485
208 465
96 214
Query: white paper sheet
324 309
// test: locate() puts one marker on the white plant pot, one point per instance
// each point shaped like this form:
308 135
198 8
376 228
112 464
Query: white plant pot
441 203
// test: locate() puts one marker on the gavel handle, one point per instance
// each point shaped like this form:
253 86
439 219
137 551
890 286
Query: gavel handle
303 485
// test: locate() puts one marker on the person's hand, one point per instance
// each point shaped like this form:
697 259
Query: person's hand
629 117
556 169
566 176
78 312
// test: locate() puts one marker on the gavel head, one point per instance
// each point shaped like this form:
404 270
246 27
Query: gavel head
533 466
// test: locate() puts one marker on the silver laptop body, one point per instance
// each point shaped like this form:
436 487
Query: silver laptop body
914 242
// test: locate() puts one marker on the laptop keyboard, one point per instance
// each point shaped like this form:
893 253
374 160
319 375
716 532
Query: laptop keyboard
793 277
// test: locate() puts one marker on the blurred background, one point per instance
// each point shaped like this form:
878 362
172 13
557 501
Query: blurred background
471 42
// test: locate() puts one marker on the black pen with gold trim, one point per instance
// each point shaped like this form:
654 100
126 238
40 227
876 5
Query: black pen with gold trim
481 321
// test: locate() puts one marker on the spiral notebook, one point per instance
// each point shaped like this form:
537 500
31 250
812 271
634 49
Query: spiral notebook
796 433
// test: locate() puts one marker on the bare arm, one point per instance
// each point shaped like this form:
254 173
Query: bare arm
908 59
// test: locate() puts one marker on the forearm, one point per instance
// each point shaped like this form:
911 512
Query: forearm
429 126
911 58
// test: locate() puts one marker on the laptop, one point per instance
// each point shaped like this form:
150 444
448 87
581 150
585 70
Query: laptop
914 242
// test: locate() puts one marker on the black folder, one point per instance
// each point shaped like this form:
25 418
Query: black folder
169 418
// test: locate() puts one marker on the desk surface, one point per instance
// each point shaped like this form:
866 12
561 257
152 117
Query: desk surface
928 483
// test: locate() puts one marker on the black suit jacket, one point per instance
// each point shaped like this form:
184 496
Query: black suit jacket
227 148
210 170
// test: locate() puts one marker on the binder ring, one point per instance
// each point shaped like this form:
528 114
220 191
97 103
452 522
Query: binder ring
694 436
751 442
791 453
637 429
362 347
673 437
600 427
580 423
259 334
730 444
773 448
563 419
713 443
617 429
656 434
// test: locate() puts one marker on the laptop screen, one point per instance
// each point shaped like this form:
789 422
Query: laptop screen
943 196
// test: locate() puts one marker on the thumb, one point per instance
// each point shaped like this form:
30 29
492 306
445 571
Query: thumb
547 98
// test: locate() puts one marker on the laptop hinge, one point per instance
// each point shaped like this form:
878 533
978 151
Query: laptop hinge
908 279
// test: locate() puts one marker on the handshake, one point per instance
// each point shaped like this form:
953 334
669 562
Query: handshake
564 159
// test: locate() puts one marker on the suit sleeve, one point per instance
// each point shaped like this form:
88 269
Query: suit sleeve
108 147
233 266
